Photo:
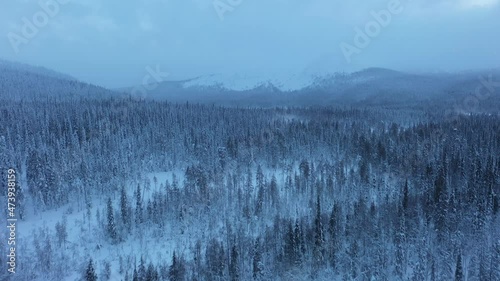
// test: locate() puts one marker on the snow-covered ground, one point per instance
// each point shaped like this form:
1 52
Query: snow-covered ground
86 237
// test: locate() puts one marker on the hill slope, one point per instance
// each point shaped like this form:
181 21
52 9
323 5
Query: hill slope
20 81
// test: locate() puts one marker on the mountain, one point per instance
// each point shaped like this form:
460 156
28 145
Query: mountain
20 81
372 86
246 82
368 87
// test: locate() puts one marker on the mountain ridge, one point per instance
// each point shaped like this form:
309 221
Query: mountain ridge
370 86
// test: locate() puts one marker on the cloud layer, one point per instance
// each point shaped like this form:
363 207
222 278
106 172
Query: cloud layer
111 42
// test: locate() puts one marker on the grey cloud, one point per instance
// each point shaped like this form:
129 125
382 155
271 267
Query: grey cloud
110 43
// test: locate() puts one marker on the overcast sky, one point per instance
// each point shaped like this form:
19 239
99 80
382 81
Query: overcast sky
111 42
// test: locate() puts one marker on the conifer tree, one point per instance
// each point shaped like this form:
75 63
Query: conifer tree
111 227
459 274
234 267
141 272
318 235
257 265
135 276
90 274
176 271
138 206
124 208
405 196
333 230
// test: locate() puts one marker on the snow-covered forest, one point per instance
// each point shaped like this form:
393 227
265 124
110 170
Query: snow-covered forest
120 189
250 140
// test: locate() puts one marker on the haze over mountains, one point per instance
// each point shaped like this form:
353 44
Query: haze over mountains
372 86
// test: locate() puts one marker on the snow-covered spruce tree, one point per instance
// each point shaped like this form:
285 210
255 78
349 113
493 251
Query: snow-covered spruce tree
124 208
152 273
141 272
61 232
257 262
90 274
234 265
334 234
400 243
459 272
48 255
138 207
440 202
289 246
353 260
177 270
21 202
111 226
318 250
274 192
405 197
215 259
299 244
259 201
135 275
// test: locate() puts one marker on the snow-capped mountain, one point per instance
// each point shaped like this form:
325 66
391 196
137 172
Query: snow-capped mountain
369 86
289 82
245 82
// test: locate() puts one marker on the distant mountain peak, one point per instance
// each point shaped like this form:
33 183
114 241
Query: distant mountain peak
246 82
285 82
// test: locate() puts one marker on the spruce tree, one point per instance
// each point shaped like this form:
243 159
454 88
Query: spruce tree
151 273
135 276
459 274
318 235
90 274
298 243
138 206
333 230
111 227
405 196
289 247
124 207
177 269
234 267
257 264
141 272
273 189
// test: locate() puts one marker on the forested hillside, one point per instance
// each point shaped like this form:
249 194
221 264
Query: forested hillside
25 82
142 190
